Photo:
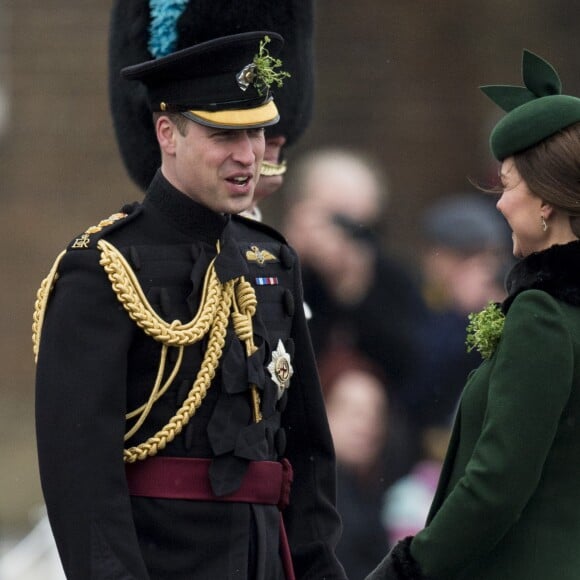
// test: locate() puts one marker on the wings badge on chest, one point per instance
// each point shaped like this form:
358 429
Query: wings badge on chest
254 254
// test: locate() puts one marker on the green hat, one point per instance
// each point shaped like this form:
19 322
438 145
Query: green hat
534 112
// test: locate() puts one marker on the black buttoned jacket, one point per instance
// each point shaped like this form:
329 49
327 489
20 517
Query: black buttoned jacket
95 364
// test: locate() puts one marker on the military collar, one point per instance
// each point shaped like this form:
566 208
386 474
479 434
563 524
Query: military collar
186 215
555 271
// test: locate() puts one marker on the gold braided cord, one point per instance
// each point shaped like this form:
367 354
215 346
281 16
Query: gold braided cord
131 296
244 309
199 389
153 396
41 302
156 392
163 389
212 316
268 168
236 298
239 296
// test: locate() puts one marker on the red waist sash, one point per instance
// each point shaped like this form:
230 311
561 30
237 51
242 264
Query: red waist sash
265 482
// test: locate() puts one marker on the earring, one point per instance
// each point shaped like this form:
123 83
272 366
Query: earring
544 224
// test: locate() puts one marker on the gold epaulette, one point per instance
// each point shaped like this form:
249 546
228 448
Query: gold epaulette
46 286
84 240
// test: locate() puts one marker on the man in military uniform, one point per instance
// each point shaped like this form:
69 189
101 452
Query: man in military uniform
143 29
176 385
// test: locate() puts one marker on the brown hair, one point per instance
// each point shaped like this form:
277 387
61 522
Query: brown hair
551 170
177 119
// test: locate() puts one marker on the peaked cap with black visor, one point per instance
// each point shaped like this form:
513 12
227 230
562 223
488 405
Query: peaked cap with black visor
222 83
142 30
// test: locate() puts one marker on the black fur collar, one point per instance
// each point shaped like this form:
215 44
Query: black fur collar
555 271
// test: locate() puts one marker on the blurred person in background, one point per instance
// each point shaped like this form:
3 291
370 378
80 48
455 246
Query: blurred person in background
464 259
371 452
508 500
406 503
358 295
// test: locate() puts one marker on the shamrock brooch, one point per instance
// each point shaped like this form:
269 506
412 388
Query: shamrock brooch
484 330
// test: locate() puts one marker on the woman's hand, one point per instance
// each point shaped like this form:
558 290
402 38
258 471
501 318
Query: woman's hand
398 564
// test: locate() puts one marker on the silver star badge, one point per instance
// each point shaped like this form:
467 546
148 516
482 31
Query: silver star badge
280 368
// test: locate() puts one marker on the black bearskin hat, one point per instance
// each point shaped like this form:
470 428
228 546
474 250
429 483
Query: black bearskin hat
140 28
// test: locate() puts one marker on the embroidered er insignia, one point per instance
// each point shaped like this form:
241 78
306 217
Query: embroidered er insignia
254 254
85 240
280 369
82 242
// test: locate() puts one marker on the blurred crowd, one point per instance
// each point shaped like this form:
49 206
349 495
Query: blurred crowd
389 337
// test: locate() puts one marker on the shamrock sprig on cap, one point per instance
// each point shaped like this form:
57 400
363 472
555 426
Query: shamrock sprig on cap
265 73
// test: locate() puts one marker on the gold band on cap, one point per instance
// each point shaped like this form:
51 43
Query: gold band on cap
261 116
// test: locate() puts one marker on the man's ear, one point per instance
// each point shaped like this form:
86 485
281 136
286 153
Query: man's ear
166 132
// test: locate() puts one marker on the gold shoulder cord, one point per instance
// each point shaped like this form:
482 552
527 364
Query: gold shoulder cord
40 304
218 301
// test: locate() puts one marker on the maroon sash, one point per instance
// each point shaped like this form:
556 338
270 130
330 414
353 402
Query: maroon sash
265 482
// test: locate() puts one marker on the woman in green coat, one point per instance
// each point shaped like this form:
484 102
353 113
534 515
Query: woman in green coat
507 506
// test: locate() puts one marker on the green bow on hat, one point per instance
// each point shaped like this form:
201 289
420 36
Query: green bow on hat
534 112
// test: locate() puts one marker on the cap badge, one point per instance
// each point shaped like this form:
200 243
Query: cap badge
254 254
281 369
246 76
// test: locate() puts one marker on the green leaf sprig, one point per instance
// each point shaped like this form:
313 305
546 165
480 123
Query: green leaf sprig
265 73
484 330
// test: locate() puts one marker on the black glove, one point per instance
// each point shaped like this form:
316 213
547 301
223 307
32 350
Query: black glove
398 564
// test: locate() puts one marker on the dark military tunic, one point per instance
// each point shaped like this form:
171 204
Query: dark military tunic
95 365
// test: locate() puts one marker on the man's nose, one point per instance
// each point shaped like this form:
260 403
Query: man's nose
244 149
